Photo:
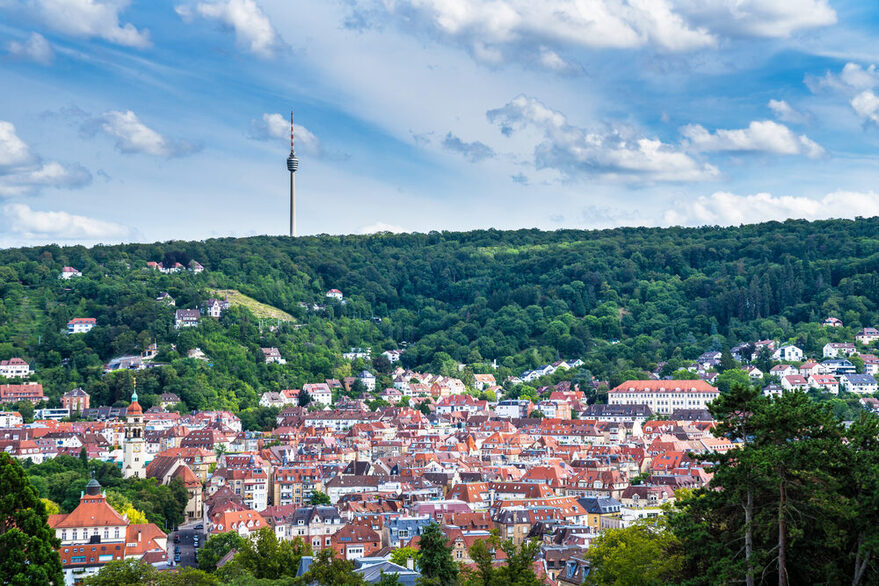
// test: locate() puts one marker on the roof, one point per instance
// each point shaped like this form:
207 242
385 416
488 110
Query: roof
677 386
860 379
92 511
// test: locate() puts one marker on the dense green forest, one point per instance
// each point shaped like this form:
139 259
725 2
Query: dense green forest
622 300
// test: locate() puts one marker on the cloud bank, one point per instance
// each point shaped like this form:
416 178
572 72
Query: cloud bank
36 48
24 173
759 136
29 223
87 19
729 209
134 137
618 153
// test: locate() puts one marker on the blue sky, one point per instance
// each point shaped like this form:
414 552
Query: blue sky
153 120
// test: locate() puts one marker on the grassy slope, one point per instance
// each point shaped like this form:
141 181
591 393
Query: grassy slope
260 310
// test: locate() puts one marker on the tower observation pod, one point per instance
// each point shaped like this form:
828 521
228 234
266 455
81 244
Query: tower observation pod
292 166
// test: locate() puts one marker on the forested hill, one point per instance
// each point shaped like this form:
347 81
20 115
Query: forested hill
521 297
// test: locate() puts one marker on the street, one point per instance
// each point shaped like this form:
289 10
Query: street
187 549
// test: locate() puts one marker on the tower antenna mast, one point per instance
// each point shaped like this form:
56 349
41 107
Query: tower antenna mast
292 166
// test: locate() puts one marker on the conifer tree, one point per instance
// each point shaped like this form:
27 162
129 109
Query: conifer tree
27 544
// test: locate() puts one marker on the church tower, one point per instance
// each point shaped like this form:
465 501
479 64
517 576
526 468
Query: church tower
134 455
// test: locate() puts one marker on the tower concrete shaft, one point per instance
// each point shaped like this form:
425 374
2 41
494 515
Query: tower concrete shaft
292 204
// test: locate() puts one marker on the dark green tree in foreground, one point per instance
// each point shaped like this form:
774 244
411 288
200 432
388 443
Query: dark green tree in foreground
435 558
27 544
328 570
794 503
643 554
216 548
517 569
263 555
319 498
132 572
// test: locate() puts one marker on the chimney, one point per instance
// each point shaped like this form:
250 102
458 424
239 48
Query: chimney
138 535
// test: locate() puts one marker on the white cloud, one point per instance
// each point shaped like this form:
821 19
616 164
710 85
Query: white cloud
497 30
277 127
615 154
472 151
786 113
853 78
253 30
133 136
758 18
23 173
89 19
13 150
35 48
866 104
759 136
729 209
28 223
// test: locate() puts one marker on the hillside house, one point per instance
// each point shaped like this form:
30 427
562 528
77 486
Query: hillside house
272 356
14 368
867 336
81 325
839 349
215 308
69 273
186 318
788 353
861 384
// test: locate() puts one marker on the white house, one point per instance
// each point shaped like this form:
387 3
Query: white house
392 355
355 353
838 349
186 318
788 353
81 325
368 380
867 336
214 307
825 382
14 368
513 408
783 370
871 363
10 419
794 381
862 384
335 294
833 322
753 372
273 355
69 273
664 396
810 367
320 392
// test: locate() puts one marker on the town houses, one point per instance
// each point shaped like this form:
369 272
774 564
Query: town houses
362 463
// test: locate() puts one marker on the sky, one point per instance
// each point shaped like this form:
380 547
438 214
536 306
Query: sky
153 120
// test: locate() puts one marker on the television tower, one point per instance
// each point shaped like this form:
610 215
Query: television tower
292 165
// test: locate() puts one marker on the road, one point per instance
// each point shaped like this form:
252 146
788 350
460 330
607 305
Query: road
187 549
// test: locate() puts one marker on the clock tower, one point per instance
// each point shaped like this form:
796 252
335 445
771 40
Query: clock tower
134 455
